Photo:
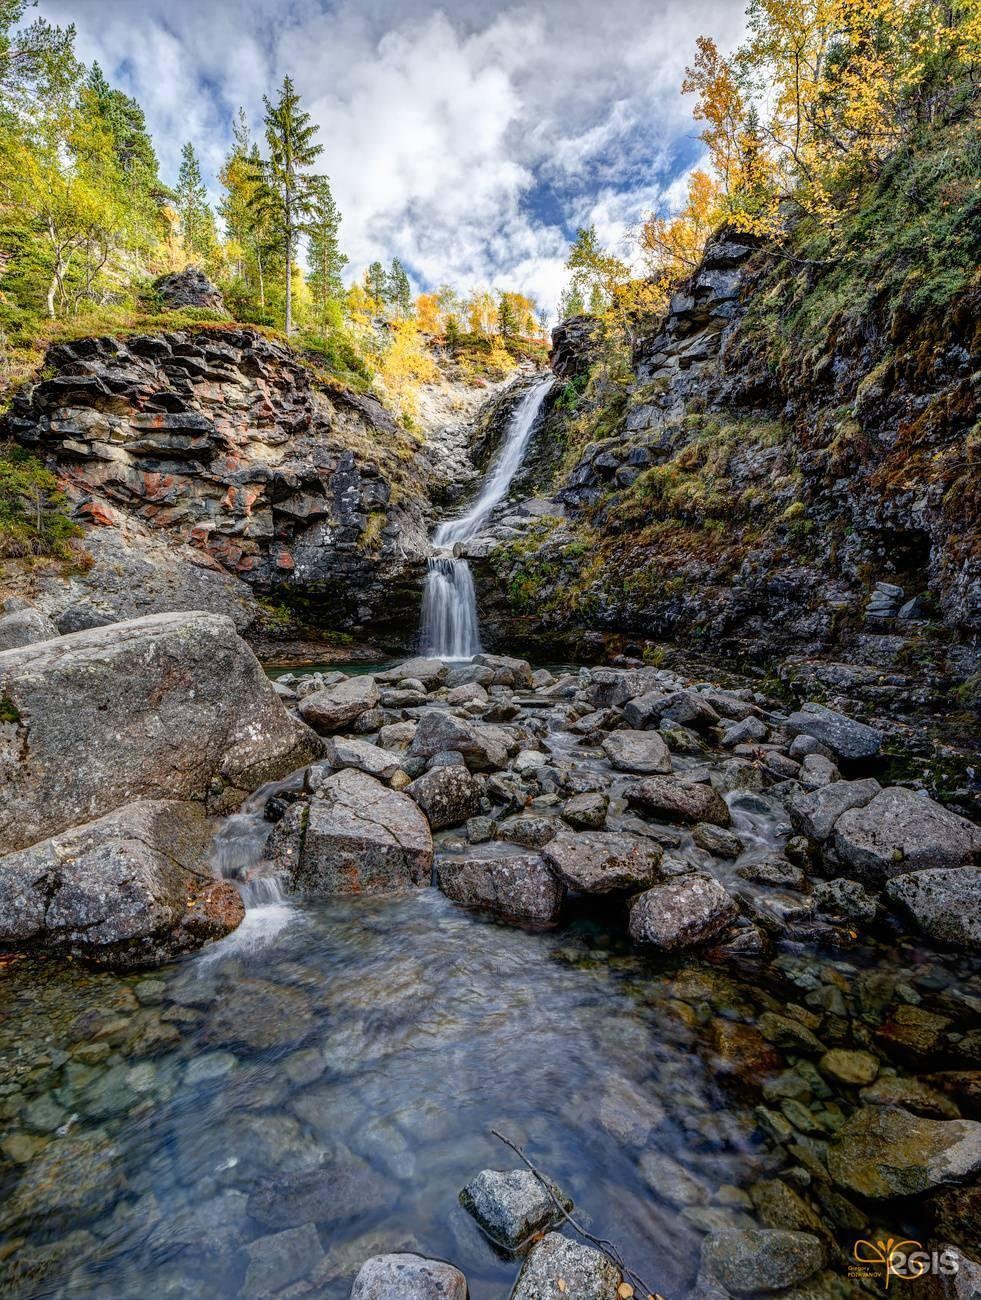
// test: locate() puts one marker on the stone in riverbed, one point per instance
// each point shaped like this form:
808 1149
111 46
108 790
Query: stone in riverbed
507 671
679 799
628 1112
511 1205
681 913
851 1067
448 795
845 737
346 1189
344 752
258 1014
900 831
408 1277
529 832
518 888
355 836
73 1178
428 672
637 751
130 889
588 1274
715 840
279 1259
586 812
814 813
671 1181
599 862
172 706
752 1260
338 707
483 748
884 1152
945 903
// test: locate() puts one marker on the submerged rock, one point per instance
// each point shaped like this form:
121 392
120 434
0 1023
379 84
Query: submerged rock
279 1259
519 888
342 1190
408 1277
511 1205
587 1274
355 836
130 889
598 862
882 1152
681 913
173 706
944 902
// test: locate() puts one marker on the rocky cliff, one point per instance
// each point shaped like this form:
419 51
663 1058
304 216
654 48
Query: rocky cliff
214 467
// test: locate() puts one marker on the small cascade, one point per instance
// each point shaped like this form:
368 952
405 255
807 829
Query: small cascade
450 627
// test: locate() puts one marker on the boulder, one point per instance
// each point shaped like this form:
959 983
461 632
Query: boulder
529 832
598 862
172 706
637 751
814 813
483 748
448 796
130 889
279 1259
519 888
884 1152
628 1112
188 288
507 671
430 673
845 737
944 902
753 1260
344 752
336 708
408 1277
588 1274
679 799
900 831
713 839
511 1205
841 897
346 1188
681 913
586 812
25 627
750 731
356 836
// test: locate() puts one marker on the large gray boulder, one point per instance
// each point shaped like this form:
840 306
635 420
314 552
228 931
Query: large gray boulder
845 737
511 1205
748 1261
356 836
483 748
900 831
507 671
431 672
637 751
448 795
172 706
408 1277
883 1151
519 888
336 708
345 751
944 902
130 889
679 799
599 862
814 813
681 913
25 627
588 1274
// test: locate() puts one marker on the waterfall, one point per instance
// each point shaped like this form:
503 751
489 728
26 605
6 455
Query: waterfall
450 629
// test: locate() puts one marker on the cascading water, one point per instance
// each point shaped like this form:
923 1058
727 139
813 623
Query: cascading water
450 629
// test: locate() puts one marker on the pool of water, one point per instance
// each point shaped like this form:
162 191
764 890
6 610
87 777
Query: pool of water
165 1127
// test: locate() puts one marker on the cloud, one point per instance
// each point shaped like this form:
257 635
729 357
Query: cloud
469 140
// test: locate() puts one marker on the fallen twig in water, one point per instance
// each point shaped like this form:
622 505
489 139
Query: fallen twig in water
608 1248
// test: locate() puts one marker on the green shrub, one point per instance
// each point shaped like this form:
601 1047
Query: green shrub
33 519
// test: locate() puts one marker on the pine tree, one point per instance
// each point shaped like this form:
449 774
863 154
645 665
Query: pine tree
197 224
326 259
292 151
376 285
507 323
399 290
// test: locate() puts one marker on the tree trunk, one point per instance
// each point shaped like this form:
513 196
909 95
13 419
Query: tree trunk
289 266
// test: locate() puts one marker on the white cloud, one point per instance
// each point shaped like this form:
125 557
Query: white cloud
467 139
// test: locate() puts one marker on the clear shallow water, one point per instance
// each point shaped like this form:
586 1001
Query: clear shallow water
380 1041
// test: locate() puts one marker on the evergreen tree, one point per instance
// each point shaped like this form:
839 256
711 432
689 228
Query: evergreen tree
326 259
292 151
197 223
399 290
571 302
376 285
507 322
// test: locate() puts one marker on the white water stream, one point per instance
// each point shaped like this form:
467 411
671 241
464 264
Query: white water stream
450 628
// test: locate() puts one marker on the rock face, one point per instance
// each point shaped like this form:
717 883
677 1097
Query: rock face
221 439
408 1277
676 799
174 706
25 627
681 913
945 903
900 831
356 837
598 862
511 1205
519 888
587 1274
130 889
882 1152
189 288
448 796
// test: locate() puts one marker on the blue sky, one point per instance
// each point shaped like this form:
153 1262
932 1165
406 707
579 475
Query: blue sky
469 139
